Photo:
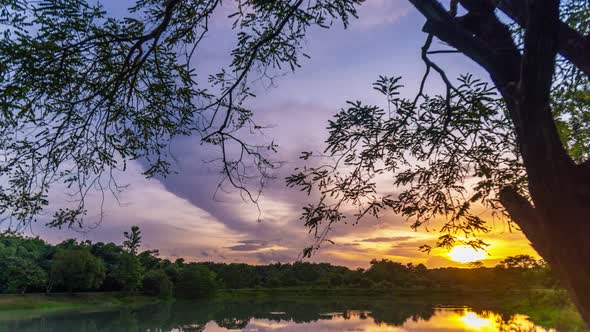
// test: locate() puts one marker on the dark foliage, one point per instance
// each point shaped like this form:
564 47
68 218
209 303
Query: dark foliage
157 283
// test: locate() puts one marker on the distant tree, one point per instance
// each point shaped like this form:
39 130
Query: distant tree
386 270
109 254
22 275
194 281
237 275
24 263
336 280
521 262
133 240
149 259
526 272
157 283
421 269
128 272
475 265
76 269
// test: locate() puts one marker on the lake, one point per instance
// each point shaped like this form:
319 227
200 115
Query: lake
280 313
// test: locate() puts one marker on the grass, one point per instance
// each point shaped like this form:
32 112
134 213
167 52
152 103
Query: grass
12 305
551 307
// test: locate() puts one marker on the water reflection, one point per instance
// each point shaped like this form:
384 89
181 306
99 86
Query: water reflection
288 315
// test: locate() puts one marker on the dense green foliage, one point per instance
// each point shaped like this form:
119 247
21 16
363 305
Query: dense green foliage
157 283
76 269
194 281
32 265
128 272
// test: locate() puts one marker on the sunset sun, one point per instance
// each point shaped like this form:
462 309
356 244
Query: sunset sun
466 254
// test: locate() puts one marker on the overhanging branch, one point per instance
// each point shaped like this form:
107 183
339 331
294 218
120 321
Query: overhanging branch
503 69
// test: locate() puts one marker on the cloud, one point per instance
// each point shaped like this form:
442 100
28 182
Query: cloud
388 239
250 245
245 247
374 13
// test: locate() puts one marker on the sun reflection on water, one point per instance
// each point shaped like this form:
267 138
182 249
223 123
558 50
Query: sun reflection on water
443 320
473 321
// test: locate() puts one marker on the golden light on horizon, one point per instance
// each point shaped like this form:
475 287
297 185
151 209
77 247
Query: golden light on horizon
466 254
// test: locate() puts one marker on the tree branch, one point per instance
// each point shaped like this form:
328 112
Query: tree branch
502 68
571 44
487 41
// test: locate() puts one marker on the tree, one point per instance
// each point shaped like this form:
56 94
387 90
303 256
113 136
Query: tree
76 269
133 240
521 262
523 140
554 211
128 272
22 276
157 283
23 263
194 281
109 254
149 259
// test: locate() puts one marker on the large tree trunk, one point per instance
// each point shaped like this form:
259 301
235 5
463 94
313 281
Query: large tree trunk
560 236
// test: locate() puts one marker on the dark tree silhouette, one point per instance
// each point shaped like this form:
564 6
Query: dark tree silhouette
82 93
132 240
555 217
524 148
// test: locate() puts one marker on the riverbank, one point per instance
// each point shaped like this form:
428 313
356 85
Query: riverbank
65 301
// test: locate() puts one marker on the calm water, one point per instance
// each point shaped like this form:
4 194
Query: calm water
293 315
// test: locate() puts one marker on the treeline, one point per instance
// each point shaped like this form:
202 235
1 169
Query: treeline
32 265
516 272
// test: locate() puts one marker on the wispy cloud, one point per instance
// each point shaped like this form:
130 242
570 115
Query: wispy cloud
387 239
375 13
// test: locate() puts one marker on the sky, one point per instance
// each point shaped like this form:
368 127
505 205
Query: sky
183 217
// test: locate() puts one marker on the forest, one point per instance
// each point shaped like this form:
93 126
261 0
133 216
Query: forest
31 265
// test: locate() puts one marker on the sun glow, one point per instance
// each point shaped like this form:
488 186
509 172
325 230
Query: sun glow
466 254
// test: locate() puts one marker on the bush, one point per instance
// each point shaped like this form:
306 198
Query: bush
157 283
195 281
23 276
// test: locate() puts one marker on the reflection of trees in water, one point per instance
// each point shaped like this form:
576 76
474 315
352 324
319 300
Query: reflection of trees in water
397 314
231 314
